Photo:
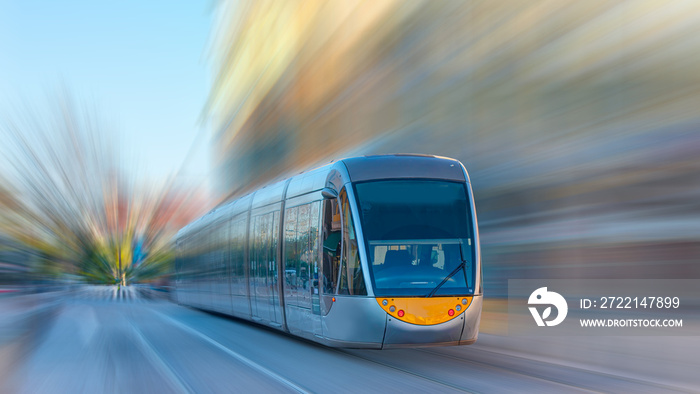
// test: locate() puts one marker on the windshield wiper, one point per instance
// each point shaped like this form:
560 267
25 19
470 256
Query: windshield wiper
461 266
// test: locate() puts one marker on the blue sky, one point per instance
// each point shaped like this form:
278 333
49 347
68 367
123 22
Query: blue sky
143 64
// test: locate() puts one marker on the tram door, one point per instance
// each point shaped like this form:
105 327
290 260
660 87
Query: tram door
302 270
264 298
331 252
315 268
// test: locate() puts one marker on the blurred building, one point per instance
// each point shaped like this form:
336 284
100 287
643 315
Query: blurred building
577 121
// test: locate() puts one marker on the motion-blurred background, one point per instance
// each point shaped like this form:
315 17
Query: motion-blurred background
577 121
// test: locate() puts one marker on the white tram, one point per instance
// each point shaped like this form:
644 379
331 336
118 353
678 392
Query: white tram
367 252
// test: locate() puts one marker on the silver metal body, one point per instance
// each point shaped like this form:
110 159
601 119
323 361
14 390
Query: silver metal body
232 260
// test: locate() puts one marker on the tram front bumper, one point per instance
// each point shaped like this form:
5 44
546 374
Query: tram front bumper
402 334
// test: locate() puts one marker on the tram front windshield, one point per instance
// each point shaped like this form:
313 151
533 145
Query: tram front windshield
417 232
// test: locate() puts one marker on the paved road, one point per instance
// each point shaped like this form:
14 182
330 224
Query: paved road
98 339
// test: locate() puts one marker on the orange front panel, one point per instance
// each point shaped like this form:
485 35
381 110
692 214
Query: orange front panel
424 311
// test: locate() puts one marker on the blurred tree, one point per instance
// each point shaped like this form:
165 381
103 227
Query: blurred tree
65 195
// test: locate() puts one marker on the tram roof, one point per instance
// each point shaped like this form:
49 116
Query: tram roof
403 166
357 169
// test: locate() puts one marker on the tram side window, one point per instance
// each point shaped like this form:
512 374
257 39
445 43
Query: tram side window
259 250
301 247
178 261
273 239
351 279
221 255
302 240
211 259
196 262
237 253
313 246
291 260
263 256
186 262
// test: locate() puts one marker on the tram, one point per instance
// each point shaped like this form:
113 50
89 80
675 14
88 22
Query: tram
367 252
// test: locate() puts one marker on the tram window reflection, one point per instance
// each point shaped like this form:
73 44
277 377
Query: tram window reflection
351 279
414 231
331 246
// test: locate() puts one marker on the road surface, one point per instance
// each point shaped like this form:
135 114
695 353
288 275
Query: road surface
98 339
